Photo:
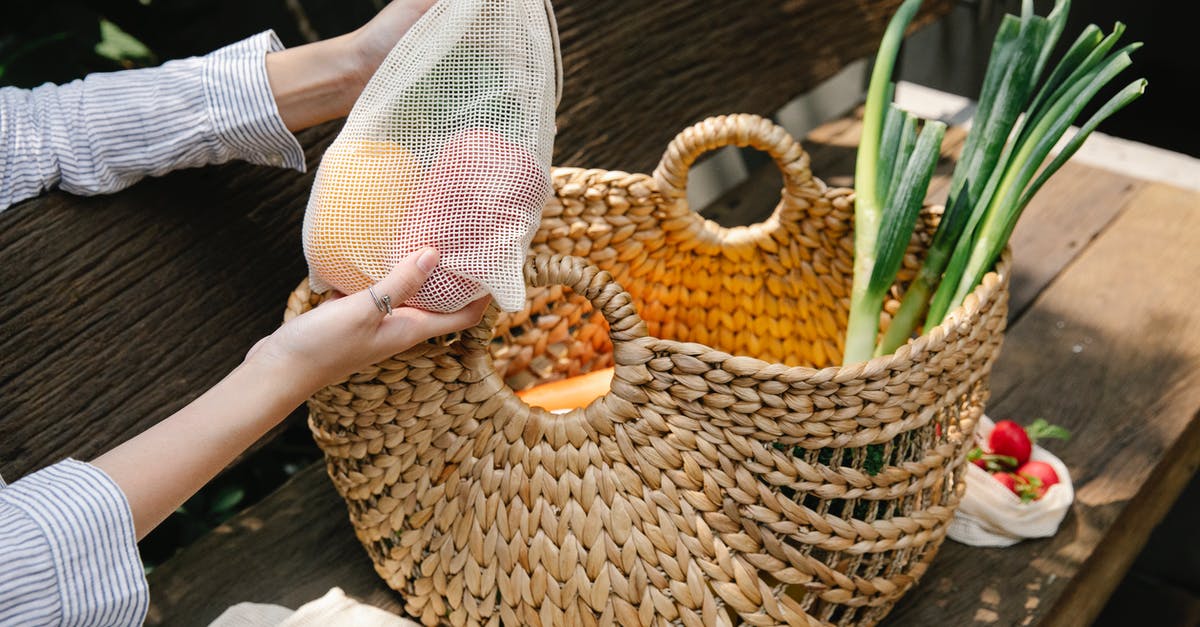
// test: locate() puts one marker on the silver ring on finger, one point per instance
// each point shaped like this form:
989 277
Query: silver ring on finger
382 303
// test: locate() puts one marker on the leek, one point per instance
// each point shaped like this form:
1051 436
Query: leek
872 179
1002 204
1017 124
1002 216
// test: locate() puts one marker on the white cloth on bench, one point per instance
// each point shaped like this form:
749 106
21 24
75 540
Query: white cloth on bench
335 609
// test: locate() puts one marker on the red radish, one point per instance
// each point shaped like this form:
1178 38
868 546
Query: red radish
1006 479
1010 439
1025 489
1040 475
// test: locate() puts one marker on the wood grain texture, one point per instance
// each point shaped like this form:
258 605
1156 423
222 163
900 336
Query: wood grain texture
122 309
1110 352
638 72
289 549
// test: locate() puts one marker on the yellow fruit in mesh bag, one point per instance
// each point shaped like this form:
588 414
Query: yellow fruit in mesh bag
359 198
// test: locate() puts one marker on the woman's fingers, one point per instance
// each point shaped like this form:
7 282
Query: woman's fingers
403 282
416 325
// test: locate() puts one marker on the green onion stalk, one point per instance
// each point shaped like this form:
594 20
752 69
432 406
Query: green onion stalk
874 172
1017 125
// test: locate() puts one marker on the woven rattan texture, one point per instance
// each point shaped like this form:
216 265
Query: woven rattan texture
724 479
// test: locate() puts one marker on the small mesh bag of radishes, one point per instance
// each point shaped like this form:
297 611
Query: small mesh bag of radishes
1015 488
448 146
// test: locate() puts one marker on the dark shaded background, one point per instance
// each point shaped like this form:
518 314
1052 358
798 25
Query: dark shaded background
1164 116
55 40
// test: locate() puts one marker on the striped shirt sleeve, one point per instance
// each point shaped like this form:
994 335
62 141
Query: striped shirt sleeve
70 551
106 131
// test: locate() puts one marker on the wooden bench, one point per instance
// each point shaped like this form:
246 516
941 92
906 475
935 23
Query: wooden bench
122 309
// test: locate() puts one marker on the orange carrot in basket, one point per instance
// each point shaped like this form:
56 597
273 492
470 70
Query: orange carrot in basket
569 393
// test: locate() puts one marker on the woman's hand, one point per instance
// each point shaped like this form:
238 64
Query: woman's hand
320 81
350 333
372 42
320 347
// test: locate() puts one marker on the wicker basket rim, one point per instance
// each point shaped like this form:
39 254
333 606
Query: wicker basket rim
928 342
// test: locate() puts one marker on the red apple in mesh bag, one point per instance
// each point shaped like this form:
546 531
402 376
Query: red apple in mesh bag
478 203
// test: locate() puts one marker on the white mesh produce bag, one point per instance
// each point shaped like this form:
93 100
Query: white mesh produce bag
448 146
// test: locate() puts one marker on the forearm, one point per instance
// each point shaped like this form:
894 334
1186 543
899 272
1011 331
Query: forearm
108 130
320 81
315 82
162 467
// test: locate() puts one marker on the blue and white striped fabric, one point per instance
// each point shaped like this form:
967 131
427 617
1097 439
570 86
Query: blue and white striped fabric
105 132
69 551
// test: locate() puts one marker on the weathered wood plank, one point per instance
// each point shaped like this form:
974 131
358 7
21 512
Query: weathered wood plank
288 549
1050 239
1109 351
119 310
641 71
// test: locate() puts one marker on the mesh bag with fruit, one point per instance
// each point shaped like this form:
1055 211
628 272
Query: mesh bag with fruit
448 146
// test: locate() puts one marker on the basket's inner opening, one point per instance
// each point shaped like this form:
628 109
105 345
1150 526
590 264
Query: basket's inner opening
734 186
558 336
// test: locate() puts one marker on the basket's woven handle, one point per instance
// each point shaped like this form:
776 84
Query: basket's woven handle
594 284
741 130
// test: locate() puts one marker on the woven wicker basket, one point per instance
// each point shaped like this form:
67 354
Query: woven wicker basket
724 479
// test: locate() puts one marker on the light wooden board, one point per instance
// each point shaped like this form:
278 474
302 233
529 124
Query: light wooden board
1111 351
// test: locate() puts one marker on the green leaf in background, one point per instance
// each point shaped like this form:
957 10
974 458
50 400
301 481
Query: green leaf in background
227 499
120 46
